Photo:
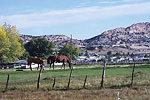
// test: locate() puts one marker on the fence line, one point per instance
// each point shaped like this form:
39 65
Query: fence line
7 83
69 78
40 74
133 74
85 80
54 82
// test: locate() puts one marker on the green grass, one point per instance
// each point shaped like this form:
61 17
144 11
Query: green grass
117 77
30 78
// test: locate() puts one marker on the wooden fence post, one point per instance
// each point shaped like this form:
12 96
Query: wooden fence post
133 73
40 74
7 83
54 83
103 74
69 79
84 82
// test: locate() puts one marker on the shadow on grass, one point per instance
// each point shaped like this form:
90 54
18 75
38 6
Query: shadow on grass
98 88
119 86
135 87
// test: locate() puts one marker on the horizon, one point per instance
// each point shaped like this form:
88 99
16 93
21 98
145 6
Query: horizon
83 19
82 39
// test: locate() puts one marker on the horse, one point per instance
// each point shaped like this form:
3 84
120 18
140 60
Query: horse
63 59
36 60
51 60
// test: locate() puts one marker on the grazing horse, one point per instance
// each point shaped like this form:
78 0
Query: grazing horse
63 59
51 60
36 60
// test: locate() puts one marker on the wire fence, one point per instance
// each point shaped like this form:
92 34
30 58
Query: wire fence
26 80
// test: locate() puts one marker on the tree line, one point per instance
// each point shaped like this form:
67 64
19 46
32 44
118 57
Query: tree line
12 47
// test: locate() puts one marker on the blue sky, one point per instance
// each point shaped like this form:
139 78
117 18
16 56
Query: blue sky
81 18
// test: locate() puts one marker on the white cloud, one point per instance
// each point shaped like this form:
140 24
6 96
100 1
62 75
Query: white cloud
118 1
83 4
131 0
57 17
108 2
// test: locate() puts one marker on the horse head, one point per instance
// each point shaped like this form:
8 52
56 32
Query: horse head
48 59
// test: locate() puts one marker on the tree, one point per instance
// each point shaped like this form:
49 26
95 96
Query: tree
25 55
90 47
70 51
16 49
117 54
10 46
39 47
4 45
109 53
87 54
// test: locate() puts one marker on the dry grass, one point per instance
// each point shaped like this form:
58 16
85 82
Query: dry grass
135 93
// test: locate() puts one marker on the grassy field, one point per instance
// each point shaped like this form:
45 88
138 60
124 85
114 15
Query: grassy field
22 84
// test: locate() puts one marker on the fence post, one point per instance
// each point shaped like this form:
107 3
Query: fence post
7 83
54 83
84 81
133 73
69 79
40 74
103 74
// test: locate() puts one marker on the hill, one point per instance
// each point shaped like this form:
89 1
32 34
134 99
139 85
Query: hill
58 40
135 38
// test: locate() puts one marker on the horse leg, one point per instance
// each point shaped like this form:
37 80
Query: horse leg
30 67
50 65
64 64
53 65
61 66
38 67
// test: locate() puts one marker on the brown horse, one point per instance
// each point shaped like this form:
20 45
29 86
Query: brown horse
36 60
63 59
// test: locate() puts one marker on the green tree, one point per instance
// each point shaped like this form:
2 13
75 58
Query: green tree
87 54
16 49
39 47
90 47
117 54
25 55
109 53
70 51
